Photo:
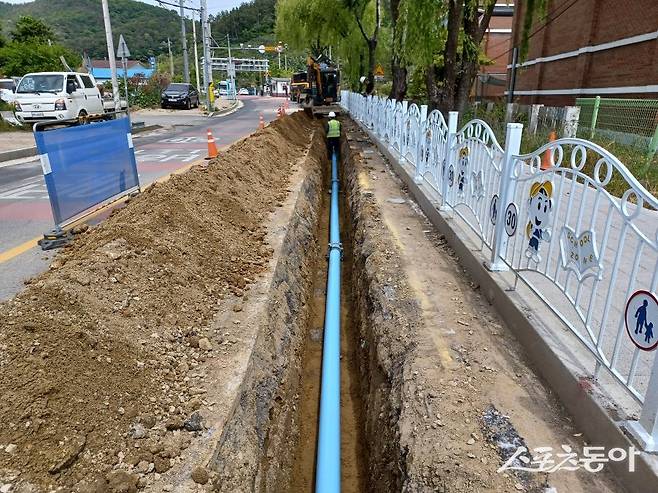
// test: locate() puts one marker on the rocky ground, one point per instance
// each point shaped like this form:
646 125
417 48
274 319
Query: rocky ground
101 362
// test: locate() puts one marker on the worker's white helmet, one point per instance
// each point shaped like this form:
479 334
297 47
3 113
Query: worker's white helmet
332 114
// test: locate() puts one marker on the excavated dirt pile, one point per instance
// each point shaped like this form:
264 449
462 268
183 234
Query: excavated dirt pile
98 354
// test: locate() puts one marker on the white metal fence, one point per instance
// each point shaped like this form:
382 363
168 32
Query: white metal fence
547 217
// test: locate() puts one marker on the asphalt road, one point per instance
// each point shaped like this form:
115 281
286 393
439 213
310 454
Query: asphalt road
25 212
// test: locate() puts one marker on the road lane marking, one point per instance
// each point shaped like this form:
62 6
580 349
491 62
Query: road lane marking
18 250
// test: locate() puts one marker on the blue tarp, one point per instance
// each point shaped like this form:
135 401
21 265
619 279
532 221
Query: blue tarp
86 165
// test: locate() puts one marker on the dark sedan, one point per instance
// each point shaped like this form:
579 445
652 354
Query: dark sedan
180 95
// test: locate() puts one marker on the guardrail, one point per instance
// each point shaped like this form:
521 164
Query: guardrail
587 255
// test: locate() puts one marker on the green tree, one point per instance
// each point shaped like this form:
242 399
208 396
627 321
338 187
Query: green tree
18 59
28 29
445 37
354 27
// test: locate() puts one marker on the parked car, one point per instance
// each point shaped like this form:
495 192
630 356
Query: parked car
244 92
180 95
7 90
45 96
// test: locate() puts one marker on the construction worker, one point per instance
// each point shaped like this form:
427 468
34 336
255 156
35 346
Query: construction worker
211 93
333 134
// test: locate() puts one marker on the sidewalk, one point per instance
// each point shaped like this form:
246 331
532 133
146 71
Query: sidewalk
10 141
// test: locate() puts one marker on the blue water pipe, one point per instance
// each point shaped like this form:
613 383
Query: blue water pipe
327 469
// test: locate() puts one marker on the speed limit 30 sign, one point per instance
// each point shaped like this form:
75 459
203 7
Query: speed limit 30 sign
511 219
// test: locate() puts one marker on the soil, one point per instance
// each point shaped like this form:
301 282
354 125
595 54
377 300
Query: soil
99 354
351 420
446 386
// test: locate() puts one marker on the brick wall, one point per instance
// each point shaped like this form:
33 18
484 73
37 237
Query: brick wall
495 46
573 24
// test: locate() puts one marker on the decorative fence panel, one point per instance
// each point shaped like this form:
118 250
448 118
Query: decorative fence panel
548 217
474 176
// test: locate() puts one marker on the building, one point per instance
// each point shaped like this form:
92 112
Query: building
588 48
100 69
492 77
279 86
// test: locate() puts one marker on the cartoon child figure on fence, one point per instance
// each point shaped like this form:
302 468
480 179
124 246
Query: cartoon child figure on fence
539 210
462 174
641 317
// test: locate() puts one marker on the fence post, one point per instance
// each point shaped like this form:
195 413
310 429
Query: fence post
453 119
405 105
505 197
419 160
570 123
534 118
653 144
423 112
595 115
509 112
645 431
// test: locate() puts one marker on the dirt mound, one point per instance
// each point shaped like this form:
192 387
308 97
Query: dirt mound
98 354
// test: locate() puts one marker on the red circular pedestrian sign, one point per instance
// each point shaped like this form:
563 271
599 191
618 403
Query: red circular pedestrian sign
641 318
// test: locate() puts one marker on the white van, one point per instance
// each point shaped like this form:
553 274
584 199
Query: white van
48 96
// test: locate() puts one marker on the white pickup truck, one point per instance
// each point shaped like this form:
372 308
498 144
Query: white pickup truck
50 96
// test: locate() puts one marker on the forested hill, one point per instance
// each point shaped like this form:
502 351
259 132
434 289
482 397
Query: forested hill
78 24
251 21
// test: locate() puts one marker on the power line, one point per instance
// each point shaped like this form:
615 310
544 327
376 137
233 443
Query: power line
161 2
549 21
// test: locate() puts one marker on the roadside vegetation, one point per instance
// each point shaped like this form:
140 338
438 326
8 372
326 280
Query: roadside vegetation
32 47
643 167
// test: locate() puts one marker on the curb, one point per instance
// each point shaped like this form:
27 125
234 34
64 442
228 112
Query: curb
18 153
588 413
32 151
228 111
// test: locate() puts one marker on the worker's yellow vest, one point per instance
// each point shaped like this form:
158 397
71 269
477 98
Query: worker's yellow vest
334 129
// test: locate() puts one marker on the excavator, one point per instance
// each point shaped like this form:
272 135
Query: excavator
322 93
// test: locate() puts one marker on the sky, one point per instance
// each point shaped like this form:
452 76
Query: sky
214 6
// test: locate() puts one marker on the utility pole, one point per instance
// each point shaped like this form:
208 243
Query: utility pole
171 59
207 67
110 55
512 82
230 68
186 63
196 53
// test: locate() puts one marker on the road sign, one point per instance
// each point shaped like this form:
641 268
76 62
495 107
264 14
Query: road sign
511 219
230 68
261 49
122 50
379 70
641 316
279 48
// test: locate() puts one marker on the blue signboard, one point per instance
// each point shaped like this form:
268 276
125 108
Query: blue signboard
87 165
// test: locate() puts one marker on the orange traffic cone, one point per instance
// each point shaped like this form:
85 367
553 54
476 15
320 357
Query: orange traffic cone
547 157
279 112
261 121
212 147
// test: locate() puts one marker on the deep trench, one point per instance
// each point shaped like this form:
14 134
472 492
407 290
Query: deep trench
353 448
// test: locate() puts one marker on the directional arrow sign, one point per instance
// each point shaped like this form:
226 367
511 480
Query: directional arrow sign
122 50
261 49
